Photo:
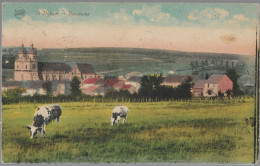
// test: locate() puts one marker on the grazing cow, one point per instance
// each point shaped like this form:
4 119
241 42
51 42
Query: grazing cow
42 117
117 113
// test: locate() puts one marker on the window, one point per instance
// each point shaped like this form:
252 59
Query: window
17 66
208 85
34 66
25 66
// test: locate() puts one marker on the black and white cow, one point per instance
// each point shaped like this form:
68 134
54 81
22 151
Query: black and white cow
117 113
42 117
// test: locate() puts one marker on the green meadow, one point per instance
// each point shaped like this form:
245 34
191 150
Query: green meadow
183 132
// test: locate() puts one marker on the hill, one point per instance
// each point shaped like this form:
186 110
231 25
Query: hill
120 61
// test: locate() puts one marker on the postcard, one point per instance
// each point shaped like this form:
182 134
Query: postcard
110 82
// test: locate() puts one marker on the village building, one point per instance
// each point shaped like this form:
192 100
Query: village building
130 88
119 85
27 68
198 88
216 83
135 82
134 73
175 80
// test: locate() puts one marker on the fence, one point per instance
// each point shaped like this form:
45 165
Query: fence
242 99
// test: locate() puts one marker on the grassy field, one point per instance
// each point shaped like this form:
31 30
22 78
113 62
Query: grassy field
155 132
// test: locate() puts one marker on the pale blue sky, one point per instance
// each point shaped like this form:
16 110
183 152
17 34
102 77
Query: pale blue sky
174 13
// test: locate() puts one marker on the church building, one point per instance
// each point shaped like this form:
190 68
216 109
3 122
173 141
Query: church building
27 68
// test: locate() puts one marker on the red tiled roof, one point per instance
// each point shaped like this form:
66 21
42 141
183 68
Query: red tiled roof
90 80
127 86
91 88
119 84
100 81
110 82
215 78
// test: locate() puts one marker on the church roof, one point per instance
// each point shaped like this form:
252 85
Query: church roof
54 66
85 68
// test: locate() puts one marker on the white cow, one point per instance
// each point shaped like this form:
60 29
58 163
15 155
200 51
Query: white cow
42 117
117 113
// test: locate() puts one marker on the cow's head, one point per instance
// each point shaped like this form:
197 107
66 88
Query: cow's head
114 121
33 130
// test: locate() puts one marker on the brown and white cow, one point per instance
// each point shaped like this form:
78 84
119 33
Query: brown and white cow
42 117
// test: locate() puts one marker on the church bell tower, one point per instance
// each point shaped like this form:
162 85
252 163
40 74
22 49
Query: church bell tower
26 65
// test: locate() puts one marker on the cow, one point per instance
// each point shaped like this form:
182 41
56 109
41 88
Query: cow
42 117
117 113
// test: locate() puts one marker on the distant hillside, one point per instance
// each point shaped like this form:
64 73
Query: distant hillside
119 61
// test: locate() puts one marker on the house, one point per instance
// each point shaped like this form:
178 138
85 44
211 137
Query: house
119 85
89 82
100 82
83 71
61 87
175 80
32 87
217 83
135 82
90 90
130 88
99 91
198 88
110 82
135 73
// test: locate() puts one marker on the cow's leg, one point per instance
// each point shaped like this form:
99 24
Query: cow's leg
43 130
118 119
58 119
125 119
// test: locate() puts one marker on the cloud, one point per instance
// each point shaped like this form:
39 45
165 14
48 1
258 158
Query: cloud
27 18
240 17
240 20
219 18
43 12
121 17
148 15
193 15
222 13
154 15
208 14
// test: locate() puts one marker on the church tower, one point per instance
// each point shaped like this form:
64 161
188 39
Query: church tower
26 65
